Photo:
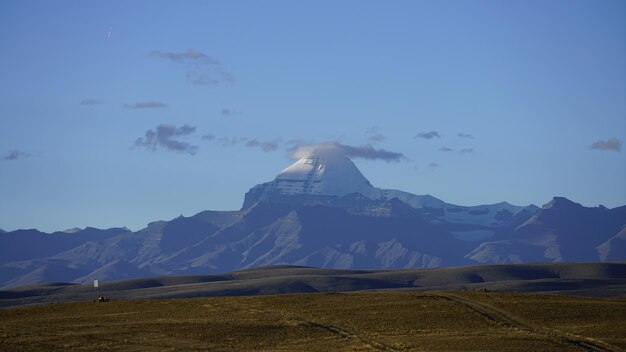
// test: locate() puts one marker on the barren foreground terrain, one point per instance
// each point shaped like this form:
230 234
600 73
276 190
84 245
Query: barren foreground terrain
368 321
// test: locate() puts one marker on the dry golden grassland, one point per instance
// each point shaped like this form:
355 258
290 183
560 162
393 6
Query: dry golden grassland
383 321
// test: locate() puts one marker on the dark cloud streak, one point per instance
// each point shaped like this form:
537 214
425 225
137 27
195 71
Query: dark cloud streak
164 137
15 154
612 144
428 135
91 102
228 112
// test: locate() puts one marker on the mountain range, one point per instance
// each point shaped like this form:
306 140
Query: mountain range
322 212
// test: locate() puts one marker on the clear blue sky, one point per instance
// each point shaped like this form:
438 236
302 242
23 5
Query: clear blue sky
535 83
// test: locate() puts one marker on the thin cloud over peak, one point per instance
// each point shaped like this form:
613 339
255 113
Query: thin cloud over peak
428 135
299 148
146 105
166 137
365 151
612 144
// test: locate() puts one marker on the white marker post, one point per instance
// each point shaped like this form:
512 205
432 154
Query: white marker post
95 284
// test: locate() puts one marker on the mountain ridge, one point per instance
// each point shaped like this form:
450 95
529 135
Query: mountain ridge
307 216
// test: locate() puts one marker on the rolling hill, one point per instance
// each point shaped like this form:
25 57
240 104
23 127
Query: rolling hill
590 279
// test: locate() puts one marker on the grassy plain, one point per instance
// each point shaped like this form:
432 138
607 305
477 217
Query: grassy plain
367 321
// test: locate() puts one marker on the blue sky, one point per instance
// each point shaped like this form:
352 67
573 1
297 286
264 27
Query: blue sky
537 90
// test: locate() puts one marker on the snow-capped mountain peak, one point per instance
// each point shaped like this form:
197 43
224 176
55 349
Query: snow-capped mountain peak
324 173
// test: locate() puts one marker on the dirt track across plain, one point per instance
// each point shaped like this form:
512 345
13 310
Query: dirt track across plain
504 318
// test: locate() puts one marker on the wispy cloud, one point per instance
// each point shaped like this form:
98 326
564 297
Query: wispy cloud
464 135
365 151
266 146
466 151
191 55
446 149
376 138
228 112
146 105
613 144
375 135
433 165
91 102
199 67
166 137
208 137
428 135
230 141
15 154
298 141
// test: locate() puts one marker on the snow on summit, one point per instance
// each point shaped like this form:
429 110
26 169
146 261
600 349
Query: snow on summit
324 172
